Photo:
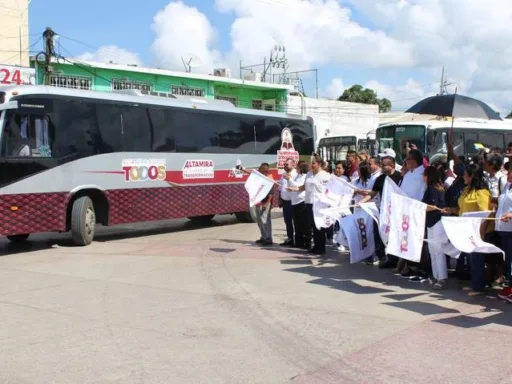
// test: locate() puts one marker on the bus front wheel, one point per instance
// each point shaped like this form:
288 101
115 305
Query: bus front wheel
83 221
18 238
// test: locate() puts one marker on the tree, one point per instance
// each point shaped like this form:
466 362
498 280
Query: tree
358 94
509 116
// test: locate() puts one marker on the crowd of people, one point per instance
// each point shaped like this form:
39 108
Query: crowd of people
451 186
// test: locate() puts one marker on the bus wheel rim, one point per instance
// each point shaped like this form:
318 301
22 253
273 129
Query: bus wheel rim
89 221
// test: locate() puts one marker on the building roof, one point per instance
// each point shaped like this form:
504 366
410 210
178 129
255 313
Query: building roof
165 72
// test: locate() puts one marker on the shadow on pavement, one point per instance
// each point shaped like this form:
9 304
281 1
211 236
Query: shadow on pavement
44 241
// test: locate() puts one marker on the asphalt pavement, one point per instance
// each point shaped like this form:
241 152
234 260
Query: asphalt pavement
175 302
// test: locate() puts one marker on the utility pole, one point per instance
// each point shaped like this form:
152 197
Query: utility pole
49 51
443 84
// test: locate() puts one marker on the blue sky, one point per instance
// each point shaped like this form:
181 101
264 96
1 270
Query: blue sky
397 49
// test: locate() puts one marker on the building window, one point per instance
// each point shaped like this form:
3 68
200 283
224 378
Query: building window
183 90
120 84
232 100
69 81
257 104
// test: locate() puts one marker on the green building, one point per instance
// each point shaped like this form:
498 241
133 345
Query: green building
245 93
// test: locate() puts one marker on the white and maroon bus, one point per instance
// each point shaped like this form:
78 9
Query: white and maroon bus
71 159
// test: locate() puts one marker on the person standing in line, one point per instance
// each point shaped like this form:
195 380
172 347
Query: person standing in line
286 200
388 169
351 167
262 211
504 228
314 185
434 197
300 214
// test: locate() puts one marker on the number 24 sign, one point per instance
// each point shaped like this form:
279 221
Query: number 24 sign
16 75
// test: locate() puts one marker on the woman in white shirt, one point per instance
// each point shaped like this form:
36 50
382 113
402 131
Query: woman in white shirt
364 182
300 213
504 228
314 185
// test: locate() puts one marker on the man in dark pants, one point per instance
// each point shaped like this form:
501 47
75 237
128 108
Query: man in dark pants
286 200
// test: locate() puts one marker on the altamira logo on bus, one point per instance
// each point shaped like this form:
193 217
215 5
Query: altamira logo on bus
144 170
198 169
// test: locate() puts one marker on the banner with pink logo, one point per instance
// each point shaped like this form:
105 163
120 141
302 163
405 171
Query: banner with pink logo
407 227
389 188
464 234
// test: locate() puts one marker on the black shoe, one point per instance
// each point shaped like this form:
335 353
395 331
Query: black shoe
259 241
385 264
287 243
267 243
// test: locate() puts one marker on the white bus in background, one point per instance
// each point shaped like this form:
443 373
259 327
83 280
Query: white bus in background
432 137
335 148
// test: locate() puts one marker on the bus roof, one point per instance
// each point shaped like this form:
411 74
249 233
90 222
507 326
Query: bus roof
143 97
459 123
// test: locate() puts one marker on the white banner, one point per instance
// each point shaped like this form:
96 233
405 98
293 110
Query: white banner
338 194
322 220
386 207
441 241
407 227
464 234
358 230
371 209
258 186
333 203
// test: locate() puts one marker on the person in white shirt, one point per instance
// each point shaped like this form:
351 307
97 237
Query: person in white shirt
504 229
413 183
389 152
300 214
495 178
364 181
286 200
314 185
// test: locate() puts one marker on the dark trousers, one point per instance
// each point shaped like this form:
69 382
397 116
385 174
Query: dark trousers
477 270
506 243
329 232
319 237
380 249
288 219
300 222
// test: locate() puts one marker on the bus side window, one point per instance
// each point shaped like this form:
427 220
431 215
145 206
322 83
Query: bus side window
109 138
163 130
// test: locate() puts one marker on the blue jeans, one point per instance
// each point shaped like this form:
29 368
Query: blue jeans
477 267
506 243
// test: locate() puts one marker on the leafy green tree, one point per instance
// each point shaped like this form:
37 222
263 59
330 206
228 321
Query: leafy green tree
358 94
509 116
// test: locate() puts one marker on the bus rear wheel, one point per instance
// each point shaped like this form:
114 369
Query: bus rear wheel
83 221
244 217
201 219
18 238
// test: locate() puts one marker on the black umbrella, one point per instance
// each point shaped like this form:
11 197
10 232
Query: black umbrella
454 106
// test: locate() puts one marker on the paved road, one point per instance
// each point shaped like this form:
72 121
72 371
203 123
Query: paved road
182 304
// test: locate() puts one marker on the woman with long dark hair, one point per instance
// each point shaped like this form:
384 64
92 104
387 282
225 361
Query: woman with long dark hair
434 197
364 181
475 197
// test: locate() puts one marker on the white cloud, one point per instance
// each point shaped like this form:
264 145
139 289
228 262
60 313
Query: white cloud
334 89
184 32
313 32
111 53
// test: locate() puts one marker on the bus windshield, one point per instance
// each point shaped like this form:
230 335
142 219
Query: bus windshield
399 137
336 148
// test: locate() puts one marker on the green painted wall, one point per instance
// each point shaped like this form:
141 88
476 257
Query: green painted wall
102 78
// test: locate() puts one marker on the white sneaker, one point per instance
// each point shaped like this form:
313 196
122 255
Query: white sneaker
341 248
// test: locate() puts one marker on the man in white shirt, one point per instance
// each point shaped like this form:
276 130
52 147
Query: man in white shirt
412 183
286 200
